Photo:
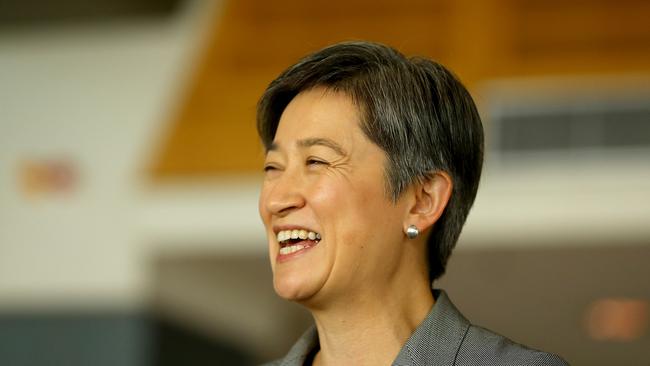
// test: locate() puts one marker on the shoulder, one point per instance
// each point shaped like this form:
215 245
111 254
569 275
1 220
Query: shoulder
447 337
484 347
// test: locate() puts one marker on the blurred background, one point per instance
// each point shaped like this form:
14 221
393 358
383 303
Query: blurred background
130 169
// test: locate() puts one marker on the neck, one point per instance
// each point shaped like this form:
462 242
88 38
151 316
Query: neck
371 327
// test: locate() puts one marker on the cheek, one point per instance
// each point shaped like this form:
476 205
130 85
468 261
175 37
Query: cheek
324 202
350 210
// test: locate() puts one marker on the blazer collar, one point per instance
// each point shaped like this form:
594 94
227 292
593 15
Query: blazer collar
435 342
301 349
438 338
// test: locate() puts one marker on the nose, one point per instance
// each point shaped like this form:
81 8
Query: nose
285 195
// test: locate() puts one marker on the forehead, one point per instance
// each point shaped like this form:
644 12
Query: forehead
319 112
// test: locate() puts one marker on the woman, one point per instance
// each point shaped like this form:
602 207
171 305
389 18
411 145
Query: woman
372 163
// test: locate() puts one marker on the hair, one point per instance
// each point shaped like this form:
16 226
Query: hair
414 109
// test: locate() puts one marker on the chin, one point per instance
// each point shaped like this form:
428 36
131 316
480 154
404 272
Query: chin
294 287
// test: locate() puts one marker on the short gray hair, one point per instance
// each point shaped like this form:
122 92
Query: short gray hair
414 109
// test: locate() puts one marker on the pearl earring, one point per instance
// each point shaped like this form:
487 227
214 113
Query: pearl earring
412 232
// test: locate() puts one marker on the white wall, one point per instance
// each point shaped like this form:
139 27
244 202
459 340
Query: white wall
97 95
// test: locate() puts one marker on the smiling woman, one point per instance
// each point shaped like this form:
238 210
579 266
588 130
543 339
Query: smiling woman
372 164
317 184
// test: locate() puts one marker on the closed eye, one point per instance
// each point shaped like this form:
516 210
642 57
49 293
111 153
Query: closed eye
312 161
268 168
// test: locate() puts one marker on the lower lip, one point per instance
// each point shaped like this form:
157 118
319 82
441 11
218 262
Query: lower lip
308 245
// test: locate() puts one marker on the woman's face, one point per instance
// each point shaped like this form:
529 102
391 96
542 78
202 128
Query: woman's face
323 176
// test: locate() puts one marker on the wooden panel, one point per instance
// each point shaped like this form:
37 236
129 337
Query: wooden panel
582 36
252 41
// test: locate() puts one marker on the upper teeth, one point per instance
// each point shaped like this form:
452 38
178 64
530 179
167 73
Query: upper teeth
285 235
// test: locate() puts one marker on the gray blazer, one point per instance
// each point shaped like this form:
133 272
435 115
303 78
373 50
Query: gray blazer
445 337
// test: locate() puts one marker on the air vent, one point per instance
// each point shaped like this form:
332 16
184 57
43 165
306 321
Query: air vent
565 124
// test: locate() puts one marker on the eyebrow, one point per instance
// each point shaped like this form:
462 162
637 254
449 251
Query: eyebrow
314 141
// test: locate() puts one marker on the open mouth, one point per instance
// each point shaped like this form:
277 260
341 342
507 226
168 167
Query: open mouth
292 241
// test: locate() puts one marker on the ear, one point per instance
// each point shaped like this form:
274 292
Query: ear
431 196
